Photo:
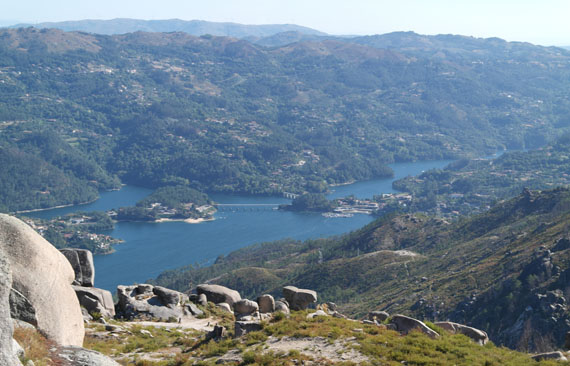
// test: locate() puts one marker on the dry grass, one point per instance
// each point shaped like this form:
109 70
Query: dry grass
35 345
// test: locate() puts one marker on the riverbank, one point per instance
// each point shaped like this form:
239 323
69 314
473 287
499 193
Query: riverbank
54 207
188 221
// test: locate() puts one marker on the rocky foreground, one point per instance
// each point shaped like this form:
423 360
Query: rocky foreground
50 314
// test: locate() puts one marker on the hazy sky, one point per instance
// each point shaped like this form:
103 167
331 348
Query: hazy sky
538 21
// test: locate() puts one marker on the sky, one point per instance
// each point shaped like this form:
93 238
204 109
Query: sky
543 22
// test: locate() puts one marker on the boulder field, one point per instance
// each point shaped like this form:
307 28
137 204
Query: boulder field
41 287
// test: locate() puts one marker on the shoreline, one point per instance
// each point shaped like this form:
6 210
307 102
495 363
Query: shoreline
70 204
188 221
56 207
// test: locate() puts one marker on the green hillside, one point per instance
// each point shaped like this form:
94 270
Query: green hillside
467 186
226 115
485 271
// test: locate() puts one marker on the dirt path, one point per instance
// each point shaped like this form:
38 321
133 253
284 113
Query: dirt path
204 325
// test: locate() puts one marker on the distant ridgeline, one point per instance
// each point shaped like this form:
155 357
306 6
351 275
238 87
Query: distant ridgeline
506 271
83 112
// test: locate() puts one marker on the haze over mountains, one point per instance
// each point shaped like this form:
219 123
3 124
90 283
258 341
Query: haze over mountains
193 27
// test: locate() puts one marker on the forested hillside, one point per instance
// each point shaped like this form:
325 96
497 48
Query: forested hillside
226 115
506 271
468 186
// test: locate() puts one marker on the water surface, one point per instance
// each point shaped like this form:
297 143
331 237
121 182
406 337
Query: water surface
151 248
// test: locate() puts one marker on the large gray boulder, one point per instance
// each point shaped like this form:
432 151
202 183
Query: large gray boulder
225 306
244 327
245 306
85 357
148 302
554 356
42 274
477 335
96 300
82 262
218 294
404 325
299 299
169 297
377 315
7 350
282 307
266 303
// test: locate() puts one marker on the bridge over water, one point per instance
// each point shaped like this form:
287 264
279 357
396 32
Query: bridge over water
247 206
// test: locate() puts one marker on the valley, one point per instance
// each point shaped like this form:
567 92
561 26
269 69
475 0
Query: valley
420 184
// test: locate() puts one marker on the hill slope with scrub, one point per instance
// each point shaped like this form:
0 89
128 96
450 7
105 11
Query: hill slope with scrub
504 271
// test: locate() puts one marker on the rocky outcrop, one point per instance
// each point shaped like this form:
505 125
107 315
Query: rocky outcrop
148 302
85 357
281 306
546 315
202 300
404 325
299 299
225 306
477 335
96 300
317 313
244 327
169 297
378 316
7 350
21 308
81 261
193 309
245 306
266 303
41 274
218 294
554 356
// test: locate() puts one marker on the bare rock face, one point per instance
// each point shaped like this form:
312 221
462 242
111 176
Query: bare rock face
21 308
225 306
281 307
477 335
218 294
148 302
404 325
7 350
266 304
85 357
82 262
245 306
202 300
244 327
43 276
299 299
96 300
379 316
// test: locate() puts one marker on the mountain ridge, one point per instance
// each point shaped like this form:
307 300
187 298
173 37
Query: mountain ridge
146 106
194 27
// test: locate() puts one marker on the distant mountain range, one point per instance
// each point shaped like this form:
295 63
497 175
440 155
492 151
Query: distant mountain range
193 27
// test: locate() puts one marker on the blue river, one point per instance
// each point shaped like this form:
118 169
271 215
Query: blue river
151 248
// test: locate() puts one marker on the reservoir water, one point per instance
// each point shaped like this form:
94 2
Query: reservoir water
151 248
